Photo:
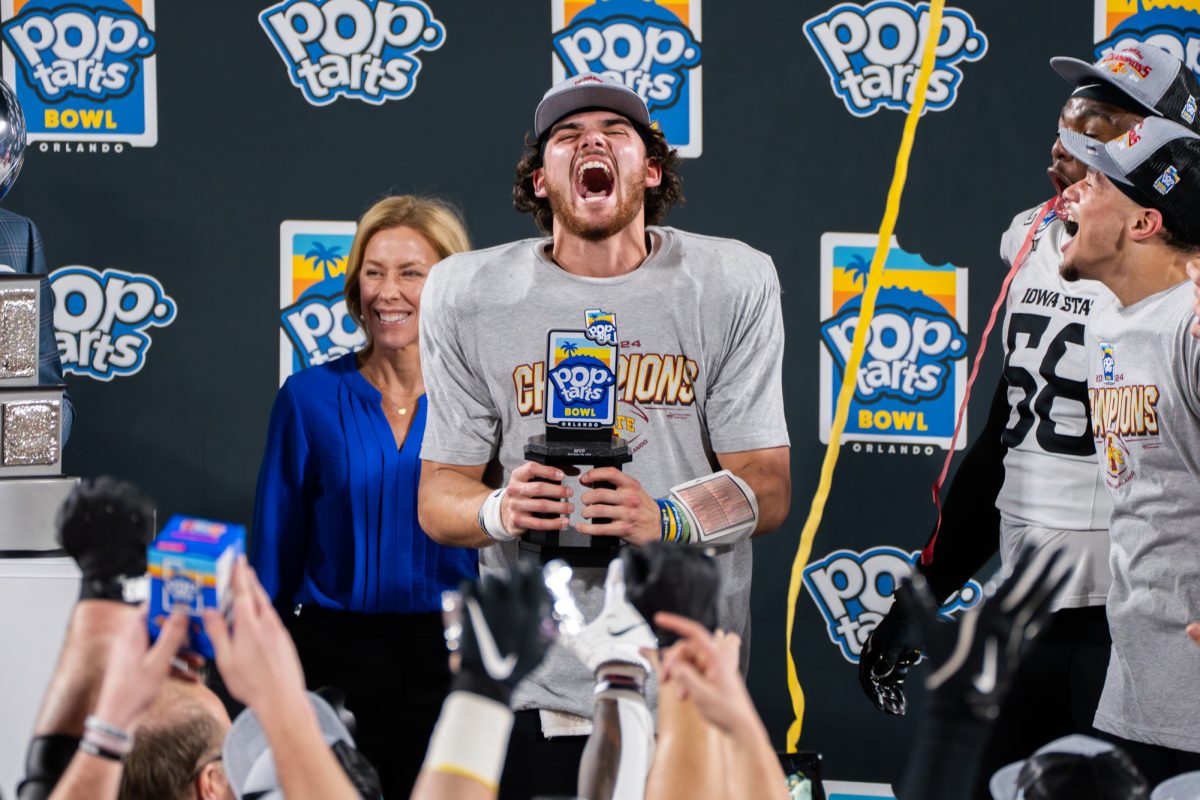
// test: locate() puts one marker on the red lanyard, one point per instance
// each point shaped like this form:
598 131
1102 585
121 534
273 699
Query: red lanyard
927 555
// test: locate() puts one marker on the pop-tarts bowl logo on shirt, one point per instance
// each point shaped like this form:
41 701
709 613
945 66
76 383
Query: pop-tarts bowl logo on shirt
102 320
84 71
913 374
1126 23
652 48
1108 361
314 323
363 49
854 590
601 326
872 53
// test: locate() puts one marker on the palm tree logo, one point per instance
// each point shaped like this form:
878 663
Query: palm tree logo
859 268
569 348
324 258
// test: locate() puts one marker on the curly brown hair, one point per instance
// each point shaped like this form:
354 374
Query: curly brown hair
659 199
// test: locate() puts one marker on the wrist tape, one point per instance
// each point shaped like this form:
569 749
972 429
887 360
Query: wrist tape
489 518
470 739
716 509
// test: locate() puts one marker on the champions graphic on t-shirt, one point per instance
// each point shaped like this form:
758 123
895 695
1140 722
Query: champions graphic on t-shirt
645 382
1122 415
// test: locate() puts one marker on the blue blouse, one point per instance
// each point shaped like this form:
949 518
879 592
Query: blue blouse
335 516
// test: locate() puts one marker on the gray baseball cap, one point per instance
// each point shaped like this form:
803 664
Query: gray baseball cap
1152 77
588 90
1156 163
1004 783
249 763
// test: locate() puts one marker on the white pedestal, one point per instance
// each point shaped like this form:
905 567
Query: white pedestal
36 598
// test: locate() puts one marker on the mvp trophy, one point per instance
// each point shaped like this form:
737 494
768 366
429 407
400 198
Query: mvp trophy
580 410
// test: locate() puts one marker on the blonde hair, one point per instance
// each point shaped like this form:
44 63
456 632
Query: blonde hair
436 220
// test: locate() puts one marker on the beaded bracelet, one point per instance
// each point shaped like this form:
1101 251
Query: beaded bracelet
675 525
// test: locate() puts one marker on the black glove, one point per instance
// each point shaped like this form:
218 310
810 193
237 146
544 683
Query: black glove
106 526
682 580
975 658
363 776
893 647
506 630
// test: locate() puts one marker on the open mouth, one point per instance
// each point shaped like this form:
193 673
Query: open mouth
593 181
1060 206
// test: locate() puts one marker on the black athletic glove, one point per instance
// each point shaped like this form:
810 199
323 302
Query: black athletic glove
682 580
893 647
974 659
106 525
362 774
505 631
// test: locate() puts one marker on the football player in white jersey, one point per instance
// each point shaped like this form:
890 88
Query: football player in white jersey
1031 476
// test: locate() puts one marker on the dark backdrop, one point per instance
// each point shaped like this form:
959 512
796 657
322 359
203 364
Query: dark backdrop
240 150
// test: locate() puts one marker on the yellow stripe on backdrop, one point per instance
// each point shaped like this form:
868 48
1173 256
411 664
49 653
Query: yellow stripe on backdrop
870 293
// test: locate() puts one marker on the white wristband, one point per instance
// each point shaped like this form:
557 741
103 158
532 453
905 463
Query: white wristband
490 521
721 508
470 739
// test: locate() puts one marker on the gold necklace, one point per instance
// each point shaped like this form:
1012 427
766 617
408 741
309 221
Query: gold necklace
400 409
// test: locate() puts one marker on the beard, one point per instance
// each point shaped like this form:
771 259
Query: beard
630 204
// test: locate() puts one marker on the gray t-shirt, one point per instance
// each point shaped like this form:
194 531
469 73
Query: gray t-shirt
1144 387
701 356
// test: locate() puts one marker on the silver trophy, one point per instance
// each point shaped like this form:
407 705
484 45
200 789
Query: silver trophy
31 415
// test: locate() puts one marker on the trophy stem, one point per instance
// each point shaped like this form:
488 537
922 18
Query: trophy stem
554 452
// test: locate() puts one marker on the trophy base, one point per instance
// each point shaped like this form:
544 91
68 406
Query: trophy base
28 507
607 452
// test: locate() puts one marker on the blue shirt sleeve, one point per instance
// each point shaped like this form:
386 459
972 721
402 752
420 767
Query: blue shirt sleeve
49 366
281 506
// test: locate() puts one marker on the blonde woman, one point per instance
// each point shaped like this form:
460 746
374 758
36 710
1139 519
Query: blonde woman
336 543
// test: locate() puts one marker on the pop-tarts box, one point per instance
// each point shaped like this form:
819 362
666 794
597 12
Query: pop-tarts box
191 567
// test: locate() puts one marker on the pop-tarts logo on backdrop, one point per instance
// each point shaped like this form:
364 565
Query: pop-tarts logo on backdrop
314 324
854 590
872 53
651 47
1172 26
83 70
363 49
102 320
913 374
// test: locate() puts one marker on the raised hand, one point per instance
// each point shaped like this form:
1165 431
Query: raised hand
255 656
974 660
681 580
505 631
136 670
106 525
618 634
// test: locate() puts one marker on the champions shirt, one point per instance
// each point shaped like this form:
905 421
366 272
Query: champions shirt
701 350
1144 387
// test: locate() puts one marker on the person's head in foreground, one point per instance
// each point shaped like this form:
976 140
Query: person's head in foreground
1071 768
177 748
594 164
